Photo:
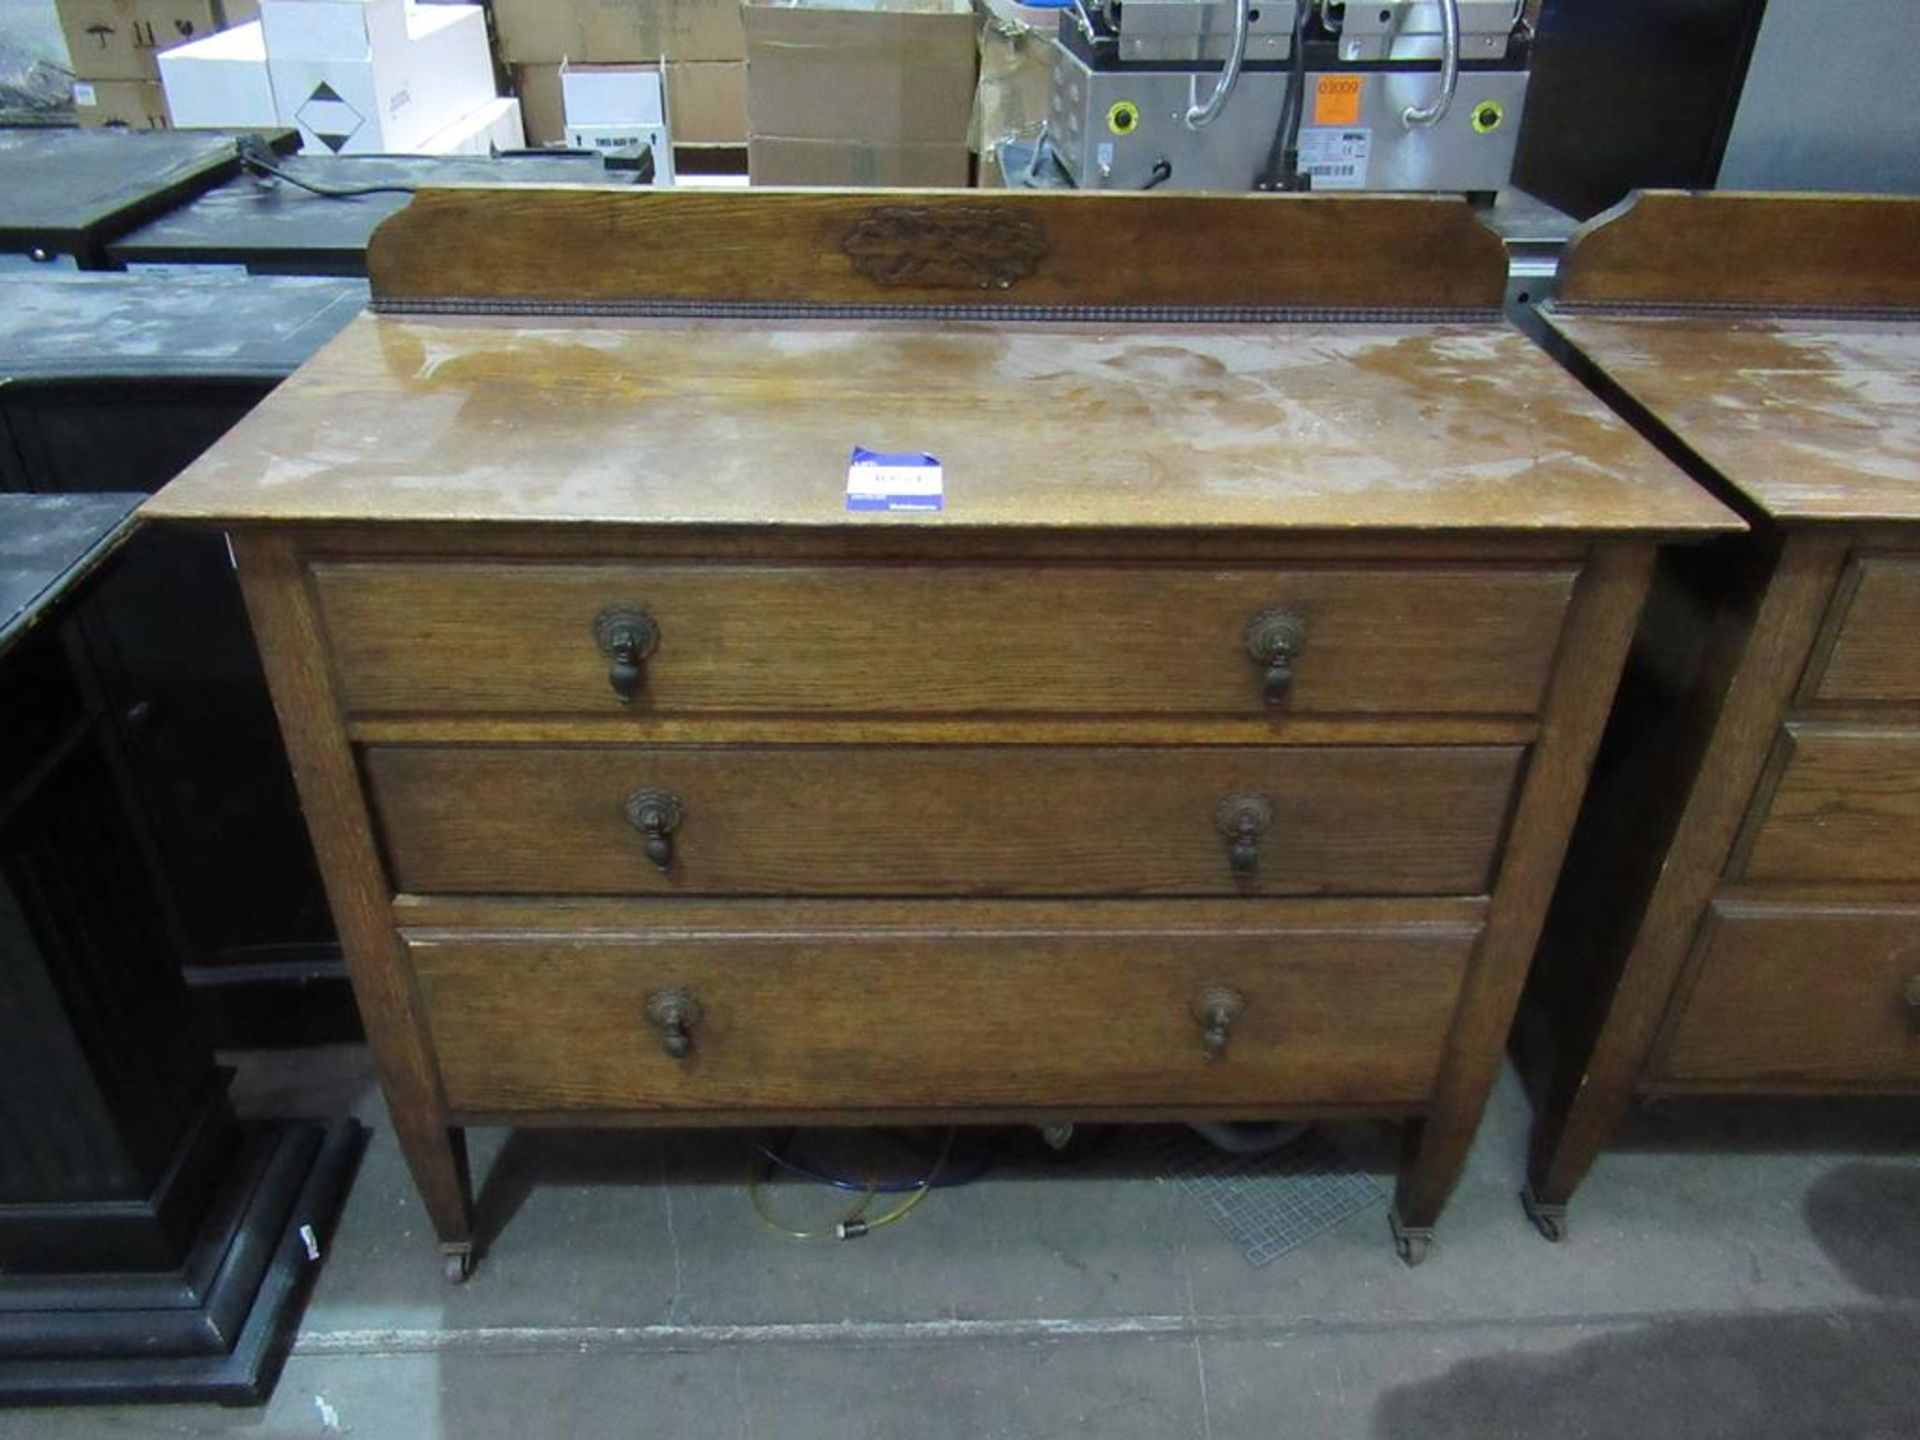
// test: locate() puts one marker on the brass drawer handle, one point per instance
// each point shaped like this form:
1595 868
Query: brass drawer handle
1215 1009
1912 995
656 814
1241 821
626 635
674 1013
1275 639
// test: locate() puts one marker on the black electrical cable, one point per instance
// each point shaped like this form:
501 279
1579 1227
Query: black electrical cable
1283 160
257 157
1161 173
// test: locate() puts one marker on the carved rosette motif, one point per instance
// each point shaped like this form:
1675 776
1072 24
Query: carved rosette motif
949 247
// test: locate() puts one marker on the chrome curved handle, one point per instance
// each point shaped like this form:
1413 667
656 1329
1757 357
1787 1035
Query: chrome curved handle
1435 110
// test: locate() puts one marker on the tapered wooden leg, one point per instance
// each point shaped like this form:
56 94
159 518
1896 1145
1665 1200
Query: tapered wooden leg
1565 1143
1581 1107
436 1157
293 653
1593 650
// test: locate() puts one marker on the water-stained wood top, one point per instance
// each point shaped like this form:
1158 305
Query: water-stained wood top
1813 419
1437 426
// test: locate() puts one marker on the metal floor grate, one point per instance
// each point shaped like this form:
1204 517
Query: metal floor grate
1270 1204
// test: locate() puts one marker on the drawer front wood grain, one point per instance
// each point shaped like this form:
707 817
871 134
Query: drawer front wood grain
1015 820
1802 994
1846 807
519 639
1874 656
864 1018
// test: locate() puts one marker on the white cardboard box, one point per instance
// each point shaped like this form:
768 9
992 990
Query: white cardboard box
617 107
603 95
221 81
375 76
494 126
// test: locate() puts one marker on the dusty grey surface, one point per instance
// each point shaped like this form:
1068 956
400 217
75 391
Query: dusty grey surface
48 544
1749 1271
30 30
212 323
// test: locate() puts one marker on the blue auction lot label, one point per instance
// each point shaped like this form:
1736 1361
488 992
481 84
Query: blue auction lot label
879 481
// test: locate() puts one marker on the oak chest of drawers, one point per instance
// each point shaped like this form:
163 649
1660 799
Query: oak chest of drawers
1741 908
1209 755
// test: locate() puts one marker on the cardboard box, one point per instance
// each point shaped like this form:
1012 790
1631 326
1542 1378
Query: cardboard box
221 81
366 77
121 39
125 104
899 74
612 97
1016 84
618 107
494 126
541 109
786 161
545 32
707 102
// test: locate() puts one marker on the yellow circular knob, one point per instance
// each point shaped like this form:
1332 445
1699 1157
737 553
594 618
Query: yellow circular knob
1123 118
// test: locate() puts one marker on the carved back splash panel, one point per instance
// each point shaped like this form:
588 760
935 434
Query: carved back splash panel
466 248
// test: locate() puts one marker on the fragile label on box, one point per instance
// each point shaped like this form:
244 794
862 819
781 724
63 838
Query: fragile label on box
877 481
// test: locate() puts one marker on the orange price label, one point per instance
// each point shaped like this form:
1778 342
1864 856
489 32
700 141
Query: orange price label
1336 99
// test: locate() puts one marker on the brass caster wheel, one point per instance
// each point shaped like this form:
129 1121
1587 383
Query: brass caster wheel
1549 1220
458 1265
1411 1243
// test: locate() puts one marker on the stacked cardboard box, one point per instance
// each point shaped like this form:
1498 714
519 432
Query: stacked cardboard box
859 92
353 76
699 41
1017 47
115 44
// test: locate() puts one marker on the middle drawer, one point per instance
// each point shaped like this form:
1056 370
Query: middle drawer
959 820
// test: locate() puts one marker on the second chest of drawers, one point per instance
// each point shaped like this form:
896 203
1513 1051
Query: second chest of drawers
1741 909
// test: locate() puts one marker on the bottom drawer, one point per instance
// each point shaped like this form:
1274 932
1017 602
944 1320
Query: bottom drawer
975 1009
1801 994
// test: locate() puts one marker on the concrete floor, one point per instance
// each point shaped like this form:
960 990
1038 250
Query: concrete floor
1744 1271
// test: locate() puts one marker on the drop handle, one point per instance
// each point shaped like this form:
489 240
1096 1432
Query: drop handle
1241 821
627 635
1912 996
1214 1010
674 1013
1274 640
656 814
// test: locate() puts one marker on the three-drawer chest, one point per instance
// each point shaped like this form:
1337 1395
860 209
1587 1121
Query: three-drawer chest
1740 914
1208 752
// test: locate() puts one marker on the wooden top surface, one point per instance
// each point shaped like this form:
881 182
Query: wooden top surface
1814 420
1450 426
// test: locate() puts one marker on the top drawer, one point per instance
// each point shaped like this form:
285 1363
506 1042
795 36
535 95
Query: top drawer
945 640
1874 656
